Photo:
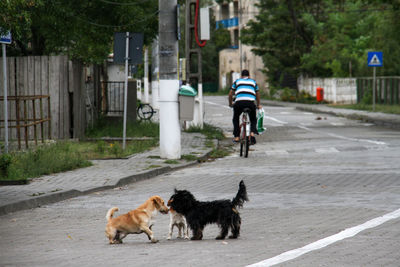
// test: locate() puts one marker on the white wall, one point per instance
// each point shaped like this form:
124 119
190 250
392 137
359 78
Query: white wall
336 90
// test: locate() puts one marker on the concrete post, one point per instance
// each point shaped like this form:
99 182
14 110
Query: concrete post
170 133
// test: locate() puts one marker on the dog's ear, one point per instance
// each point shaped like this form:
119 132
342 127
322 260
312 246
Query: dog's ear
175 191
157 202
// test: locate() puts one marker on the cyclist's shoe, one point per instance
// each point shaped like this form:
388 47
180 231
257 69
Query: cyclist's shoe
253 140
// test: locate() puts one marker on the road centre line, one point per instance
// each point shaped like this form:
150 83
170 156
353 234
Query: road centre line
343 137
347 233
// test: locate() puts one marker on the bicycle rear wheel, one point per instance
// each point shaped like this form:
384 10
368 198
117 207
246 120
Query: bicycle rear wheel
145 112
242 135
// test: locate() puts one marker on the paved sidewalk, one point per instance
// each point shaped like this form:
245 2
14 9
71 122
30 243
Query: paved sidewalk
104 174
378 118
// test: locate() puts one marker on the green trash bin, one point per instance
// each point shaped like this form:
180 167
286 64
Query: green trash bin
186 102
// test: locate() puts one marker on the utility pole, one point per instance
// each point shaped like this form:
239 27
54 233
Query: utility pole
170 132
193 56
155 68
146 76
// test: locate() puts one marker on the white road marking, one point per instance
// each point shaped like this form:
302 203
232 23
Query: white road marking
226 106
276 152
337 123
326 150
216 104
344 137
349 232
275 120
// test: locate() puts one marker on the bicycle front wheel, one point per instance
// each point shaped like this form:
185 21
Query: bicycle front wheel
247 145
145 112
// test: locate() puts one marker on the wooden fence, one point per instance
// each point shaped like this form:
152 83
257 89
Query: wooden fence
387 89
55 76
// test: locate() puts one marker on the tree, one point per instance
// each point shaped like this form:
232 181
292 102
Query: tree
280 35
82 29
325 38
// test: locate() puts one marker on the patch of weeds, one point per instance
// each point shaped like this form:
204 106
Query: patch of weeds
220 153
210 131
154 157
153 167
189 157
43 160
37 194
209 143
5 162
116 149
171 161
113 128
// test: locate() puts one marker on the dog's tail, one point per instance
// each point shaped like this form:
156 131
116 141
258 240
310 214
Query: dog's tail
241 196
110 213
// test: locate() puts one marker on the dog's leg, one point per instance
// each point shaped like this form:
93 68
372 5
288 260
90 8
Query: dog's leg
149 234
235 228
122 236
197 233
180 230
224 232
171 226
185 231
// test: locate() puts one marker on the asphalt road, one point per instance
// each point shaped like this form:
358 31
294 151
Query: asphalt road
324 191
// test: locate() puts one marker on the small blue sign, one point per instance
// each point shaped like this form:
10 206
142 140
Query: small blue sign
375 59
6 39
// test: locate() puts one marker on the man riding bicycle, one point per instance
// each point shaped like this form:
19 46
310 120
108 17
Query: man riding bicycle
246 93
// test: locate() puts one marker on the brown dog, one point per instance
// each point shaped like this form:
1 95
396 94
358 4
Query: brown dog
134 222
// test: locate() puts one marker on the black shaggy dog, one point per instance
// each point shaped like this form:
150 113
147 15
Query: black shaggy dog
200 213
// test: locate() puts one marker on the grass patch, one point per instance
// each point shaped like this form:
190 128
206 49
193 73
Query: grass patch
66 155
220 152
154 157
106 150
211 132
390 109
113 128
189 157
42 160
153 167
171 161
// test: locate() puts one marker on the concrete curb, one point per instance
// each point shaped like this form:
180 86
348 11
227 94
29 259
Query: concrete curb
60 196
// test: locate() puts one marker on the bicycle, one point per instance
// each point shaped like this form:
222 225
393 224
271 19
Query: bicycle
244 132
144 111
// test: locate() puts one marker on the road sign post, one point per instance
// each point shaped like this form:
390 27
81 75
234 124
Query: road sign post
5 39
375 59
127 50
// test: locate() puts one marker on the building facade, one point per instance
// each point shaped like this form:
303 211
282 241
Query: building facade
233 16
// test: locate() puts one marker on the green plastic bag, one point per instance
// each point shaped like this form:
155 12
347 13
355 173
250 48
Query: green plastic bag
260 121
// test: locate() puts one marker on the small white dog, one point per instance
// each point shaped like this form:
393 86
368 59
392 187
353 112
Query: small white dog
178 220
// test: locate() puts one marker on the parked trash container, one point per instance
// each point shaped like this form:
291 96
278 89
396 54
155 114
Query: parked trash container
186 102
320 94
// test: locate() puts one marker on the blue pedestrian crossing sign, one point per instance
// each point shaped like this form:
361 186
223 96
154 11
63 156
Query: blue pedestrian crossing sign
6 38
375 59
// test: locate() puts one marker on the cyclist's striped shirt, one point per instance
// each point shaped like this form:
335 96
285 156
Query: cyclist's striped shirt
245 89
